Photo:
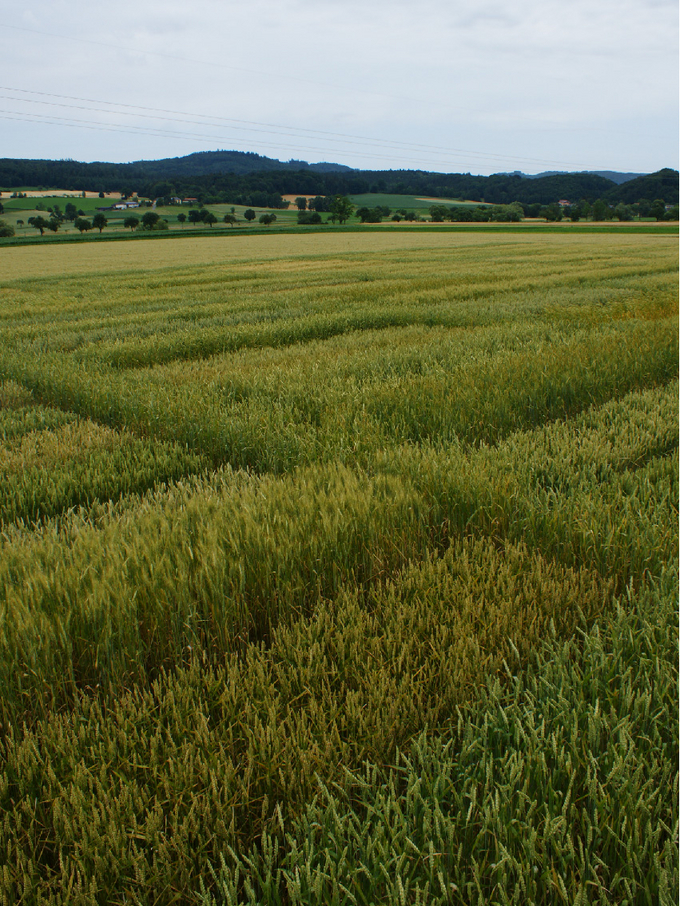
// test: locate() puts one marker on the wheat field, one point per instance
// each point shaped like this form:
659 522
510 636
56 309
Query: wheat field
339 569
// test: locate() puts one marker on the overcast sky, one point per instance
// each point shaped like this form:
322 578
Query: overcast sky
449 85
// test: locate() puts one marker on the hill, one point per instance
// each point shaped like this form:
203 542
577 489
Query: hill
204 163
615 175
663 184
248 178
71 174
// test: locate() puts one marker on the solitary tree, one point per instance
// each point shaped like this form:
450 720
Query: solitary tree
230 219
341 208
195 217
182 218
150 219
318 203
20 223
82 225
267 219
250 214
99 222
131 223
39 223
301 203
6 230
210 219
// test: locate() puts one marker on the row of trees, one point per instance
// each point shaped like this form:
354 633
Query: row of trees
601 210
320 203
151 220
341 209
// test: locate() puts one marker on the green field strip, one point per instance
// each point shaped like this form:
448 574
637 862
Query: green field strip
557 787
46 472
20 415
16 424
353 682
193 335
272 410
210 566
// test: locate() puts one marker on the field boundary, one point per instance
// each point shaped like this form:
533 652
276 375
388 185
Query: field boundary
636 229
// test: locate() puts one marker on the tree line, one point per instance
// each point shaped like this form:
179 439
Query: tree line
265 187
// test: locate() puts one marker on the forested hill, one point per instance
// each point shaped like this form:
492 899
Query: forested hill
615 175
663 184
206 163
229 175
20 173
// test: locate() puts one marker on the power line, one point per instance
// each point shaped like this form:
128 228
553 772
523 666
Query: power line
133 130
296 132
232 124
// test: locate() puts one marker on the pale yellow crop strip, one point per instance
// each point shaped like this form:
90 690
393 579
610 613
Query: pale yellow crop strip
110 258
277 284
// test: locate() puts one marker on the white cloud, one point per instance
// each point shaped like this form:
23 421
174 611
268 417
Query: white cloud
592 83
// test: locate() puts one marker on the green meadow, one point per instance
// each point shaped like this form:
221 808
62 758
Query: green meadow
340 568
415 203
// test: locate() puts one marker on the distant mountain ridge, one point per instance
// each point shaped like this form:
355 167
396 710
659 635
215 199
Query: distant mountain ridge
614 175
